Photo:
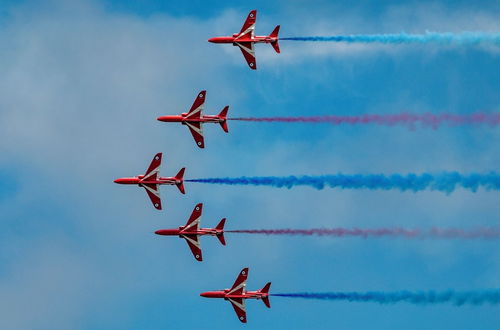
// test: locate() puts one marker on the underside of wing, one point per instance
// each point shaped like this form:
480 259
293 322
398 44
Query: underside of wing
239 307
248 52
153 170
193 223
195 246
197 132
197 107
240 283
248 28
154 194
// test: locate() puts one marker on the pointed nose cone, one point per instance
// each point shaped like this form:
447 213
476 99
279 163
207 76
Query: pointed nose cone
158 232
212 294
122 181
134 180
211 40
167 118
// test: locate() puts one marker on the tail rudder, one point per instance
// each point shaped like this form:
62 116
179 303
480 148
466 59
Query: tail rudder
223 115
180 177
220 236
274 34
265 299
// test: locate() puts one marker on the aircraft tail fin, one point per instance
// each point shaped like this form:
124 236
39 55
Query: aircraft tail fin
274 34
265 299
180 177
223 115
220 236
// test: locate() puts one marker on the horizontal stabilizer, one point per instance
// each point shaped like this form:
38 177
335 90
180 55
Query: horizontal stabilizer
223 115
180 174
266 288
220 226
223 124
266 302
221 238
180 177
265 299
274 34
181 187
276 46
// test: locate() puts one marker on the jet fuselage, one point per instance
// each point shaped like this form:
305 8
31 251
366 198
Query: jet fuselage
139 180
233 40
183 119
180 232
224 294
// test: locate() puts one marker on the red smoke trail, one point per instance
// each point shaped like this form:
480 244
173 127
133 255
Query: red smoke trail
411 120
481 233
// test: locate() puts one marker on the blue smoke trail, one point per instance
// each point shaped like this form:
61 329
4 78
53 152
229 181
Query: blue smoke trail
445 182
404 38
418 298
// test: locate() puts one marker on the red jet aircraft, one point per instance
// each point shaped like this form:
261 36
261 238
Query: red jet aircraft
195 118
192 231
237 295
152 180
246 39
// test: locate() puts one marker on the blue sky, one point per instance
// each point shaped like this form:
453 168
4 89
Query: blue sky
81 86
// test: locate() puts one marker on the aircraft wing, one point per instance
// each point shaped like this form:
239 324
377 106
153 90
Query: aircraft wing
239 307
248 52
194 220
197 132
197 107
195 246
248 28
153 191
154 168
240 283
